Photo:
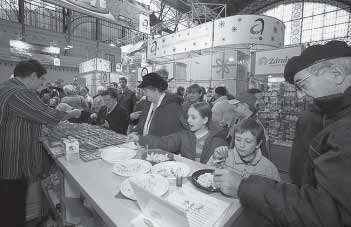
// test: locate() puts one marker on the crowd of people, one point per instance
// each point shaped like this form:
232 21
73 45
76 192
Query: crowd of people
224 132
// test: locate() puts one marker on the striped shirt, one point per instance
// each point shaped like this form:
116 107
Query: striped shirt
22 114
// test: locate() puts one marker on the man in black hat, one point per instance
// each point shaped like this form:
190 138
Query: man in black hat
164 114
322 72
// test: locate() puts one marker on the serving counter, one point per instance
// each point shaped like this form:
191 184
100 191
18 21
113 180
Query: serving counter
100 188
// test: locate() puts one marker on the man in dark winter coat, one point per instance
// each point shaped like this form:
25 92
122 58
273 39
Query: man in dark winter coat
307 127
126 97
322 72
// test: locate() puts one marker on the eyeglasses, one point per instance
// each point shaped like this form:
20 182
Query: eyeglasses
317 70
299 85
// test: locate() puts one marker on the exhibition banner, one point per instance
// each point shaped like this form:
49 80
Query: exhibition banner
93 8
45 54
274 61
249 30
142 71
196 38
144 24
95 64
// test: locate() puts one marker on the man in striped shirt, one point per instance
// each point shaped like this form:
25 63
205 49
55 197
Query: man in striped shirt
22 115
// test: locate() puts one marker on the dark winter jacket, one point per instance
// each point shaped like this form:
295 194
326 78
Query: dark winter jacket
126 99
168 117
184 142
117 119
324 199
307 127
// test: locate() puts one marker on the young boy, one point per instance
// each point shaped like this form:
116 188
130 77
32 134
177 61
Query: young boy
246 157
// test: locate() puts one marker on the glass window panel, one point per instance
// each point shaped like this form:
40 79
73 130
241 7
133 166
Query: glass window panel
328 32
317 21
287 12
317 34
306 36
318 8
342 16
341 30
329 8
308 9
307 23
320 22
329 18
288 27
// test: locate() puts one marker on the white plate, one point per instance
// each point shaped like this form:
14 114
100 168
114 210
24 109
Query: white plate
151 182
130 145
169 169
115 154
132 167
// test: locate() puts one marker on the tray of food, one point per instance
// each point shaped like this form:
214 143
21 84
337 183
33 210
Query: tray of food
155 156
153 183
115 154
170 169
203 179
131 167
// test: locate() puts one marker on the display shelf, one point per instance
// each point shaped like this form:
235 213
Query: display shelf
54 202
90 137
280 112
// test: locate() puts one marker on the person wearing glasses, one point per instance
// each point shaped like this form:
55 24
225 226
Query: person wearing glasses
322 72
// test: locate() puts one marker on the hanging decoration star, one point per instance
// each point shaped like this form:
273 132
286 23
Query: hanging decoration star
221 24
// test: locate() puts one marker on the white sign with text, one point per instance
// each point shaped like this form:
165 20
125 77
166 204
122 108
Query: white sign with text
274 61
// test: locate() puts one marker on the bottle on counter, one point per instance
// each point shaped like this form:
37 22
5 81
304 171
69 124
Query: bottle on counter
179 178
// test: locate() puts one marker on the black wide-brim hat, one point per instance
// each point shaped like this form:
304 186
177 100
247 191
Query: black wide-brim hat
153 80
330 50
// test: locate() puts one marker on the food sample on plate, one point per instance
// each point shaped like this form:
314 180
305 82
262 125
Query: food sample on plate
131 167
206 180
153 183
171 169
156 158
168 172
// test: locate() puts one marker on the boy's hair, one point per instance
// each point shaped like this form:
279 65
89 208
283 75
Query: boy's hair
111 92
195 88
222 91
250 125
123 78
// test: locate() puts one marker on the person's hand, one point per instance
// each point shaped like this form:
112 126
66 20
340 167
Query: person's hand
228 181
93 116
74 113
133 137
135 115
106 125
220 153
